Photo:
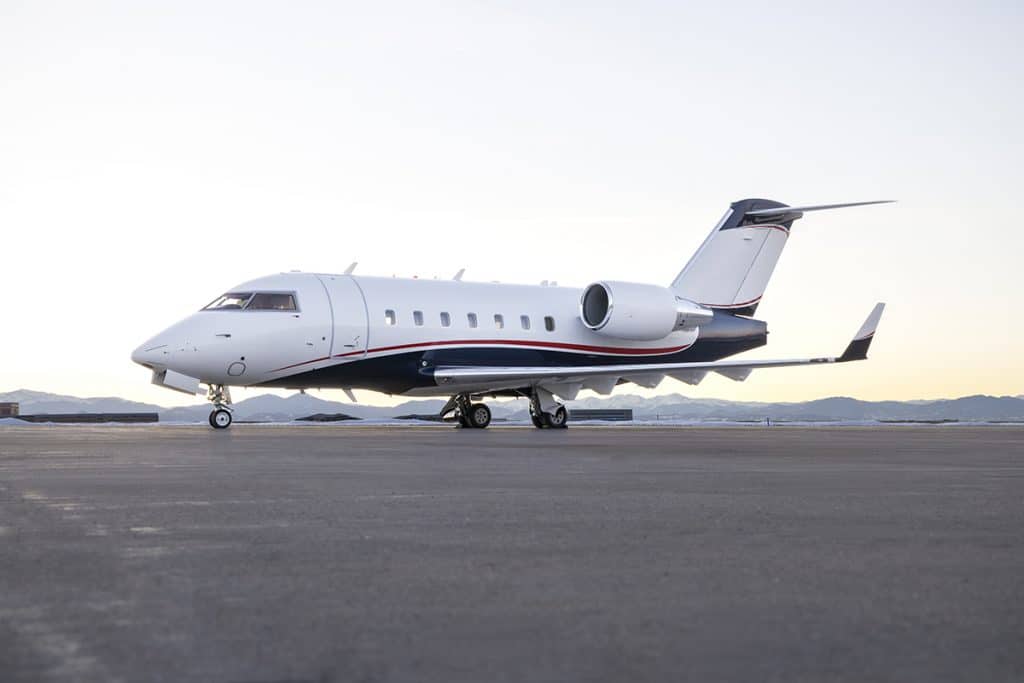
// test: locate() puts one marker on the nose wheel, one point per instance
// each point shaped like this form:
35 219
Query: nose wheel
220 418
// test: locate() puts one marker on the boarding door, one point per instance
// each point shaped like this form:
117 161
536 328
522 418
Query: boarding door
348 313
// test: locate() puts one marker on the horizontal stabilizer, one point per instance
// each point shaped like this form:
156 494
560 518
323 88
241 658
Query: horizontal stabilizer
783 214
816 207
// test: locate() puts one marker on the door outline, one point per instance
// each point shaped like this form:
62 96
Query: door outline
361 341
330 307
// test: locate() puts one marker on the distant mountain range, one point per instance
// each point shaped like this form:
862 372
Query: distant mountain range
270 408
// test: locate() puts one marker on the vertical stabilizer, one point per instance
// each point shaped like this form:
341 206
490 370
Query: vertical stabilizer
732 267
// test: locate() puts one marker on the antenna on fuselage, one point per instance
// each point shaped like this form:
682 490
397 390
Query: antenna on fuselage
458 276
351 268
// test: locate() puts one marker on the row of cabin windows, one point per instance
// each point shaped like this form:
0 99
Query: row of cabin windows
446 320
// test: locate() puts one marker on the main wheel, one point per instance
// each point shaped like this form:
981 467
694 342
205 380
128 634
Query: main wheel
537 419
558 419
479 415
220 419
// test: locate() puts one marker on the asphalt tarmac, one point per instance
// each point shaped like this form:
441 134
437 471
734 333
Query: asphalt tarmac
272 554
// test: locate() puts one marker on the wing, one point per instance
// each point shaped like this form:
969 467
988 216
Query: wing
567 381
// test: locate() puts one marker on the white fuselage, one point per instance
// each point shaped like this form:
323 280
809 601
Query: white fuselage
341 320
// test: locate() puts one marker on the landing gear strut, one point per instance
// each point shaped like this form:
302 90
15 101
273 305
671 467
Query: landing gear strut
220 416
545 411
537 418
470 415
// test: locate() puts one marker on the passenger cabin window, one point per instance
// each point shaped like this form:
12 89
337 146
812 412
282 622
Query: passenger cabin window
471 319
446 320
524 320
417 318
267 301
549 323
233 301
499 321
389 317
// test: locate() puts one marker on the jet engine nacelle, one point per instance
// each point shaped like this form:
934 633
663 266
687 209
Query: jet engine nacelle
628 310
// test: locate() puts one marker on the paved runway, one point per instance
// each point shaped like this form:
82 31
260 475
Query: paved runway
271 554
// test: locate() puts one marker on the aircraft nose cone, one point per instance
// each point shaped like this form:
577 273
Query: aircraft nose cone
152 353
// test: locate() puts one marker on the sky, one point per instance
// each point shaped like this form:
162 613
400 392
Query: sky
153 155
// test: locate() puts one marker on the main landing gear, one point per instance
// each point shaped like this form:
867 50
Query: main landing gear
546 412
470 415
220 416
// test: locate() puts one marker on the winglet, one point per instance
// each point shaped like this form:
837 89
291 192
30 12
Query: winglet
858 348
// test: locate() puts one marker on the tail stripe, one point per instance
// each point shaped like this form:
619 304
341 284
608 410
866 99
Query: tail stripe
739 305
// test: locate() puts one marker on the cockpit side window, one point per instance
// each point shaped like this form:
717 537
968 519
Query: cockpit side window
271 301
232 301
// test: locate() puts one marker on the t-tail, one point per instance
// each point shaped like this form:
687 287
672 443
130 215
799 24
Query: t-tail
732 267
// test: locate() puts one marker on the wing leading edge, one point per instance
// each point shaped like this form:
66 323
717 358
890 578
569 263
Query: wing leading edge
567 381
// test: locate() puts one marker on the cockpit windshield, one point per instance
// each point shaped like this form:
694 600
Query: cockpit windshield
254 301
231 301
271 301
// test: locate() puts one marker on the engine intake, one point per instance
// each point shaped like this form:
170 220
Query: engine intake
628 310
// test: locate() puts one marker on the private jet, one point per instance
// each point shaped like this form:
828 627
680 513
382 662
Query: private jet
471 340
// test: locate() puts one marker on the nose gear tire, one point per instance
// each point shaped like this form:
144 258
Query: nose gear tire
220 419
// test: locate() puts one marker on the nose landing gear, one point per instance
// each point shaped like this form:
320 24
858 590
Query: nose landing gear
220 419
220 416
